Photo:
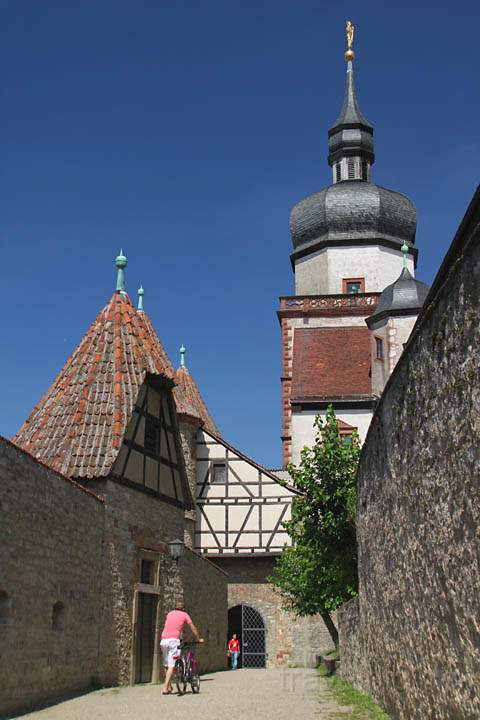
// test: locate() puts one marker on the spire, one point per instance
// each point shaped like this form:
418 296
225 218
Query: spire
350 139
141 293
183 350
121 263
405 251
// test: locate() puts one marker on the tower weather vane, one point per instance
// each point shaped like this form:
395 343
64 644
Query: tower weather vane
350 30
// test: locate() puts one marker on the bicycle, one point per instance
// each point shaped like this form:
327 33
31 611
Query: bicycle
186 669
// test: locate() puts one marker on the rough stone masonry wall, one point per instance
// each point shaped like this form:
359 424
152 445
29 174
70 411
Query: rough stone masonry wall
188 437
290 640
133 521
50 553
205 597
416 643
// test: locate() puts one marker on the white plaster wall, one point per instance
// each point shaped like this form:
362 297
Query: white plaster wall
303 430
398 330
322 272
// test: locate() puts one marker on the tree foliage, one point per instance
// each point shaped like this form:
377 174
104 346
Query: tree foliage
318 572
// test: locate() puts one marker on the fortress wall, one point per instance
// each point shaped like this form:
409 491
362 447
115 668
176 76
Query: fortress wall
50 582
411 639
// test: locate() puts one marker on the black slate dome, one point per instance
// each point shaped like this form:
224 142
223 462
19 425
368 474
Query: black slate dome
351 211
403 297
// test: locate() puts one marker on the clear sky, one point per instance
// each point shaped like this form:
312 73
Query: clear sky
184 132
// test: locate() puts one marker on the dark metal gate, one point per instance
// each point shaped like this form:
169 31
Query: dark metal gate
253 638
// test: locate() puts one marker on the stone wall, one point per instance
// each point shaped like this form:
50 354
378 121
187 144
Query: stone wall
188 436
290 640
137 523
50 583
70 579
134 521
205 598
415 648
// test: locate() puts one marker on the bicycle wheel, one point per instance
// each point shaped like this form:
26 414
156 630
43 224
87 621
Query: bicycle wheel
179 677
195 683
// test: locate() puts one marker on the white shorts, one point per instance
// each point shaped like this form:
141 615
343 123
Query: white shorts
170 651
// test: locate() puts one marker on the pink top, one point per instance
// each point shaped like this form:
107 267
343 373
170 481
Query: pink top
174 623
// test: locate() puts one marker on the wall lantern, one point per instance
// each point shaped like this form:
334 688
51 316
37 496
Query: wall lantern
176 549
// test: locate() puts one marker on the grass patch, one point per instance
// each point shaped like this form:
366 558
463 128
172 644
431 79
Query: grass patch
362 706
333 654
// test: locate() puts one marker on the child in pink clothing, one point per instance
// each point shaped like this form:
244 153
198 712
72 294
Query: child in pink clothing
171 633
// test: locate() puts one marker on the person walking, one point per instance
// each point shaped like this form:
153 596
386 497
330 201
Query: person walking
234 651
170 640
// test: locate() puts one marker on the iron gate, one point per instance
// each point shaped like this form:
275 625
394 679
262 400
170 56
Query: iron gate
253 638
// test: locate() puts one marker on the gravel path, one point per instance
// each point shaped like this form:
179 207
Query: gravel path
284 694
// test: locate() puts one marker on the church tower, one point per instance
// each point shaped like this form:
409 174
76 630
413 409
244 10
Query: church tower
347 248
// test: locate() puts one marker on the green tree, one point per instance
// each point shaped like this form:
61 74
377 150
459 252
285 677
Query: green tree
318 572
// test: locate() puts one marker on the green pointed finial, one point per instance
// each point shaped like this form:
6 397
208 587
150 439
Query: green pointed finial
121 263
141 293
404 250
183 350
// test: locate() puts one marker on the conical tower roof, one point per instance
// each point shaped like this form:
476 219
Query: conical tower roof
78 426
188 400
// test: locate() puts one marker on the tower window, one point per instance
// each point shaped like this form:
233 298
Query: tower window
353 286
364 170
379 348
351 168
338 172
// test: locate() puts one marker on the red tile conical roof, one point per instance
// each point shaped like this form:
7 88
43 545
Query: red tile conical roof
77 428
189 402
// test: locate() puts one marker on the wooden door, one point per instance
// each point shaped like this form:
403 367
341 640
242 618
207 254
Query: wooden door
147 610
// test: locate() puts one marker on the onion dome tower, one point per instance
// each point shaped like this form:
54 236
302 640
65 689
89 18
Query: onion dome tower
352 224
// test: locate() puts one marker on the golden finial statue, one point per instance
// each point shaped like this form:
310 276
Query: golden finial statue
350 30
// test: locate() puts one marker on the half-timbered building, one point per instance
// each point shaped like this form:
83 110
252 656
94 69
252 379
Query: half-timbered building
241 509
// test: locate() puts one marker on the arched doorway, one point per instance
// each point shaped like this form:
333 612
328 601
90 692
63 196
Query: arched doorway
249 626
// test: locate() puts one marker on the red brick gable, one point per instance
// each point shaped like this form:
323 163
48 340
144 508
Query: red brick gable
78 426
331 362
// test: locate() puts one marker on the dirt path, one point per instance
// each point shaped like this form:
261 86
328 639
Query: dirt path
283 694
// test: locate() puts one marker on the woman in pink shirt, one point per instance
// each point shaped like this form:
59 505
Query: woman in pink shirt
172 630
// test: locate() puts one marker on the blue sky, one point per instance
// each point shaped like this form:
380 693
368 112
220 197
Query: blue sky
184 132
